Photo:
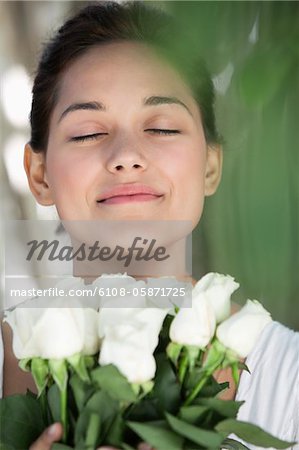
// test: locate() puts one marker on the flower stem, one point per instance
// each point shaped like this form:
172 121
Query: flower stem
197 388
63 413
183 368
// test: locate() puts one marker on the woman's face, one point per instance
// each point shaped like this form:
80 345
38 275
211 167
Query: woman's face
126 140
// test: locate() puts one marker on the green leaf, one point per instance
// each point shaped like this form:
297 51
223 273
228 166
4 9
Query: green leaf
232 444
251 433
40 373
144 411
209 439
114 383
227 408
215 357
173 351
242 366
5 446
166 388
54 402
114 436
146 387
90 361
25 364
59 373
21 421
212 388
157 437
192 414
235 373
77 362
102 405
81 391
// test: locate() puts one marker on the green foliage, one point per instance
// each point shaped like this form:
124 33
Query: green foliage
81 391
251 433
249 228
167 389
109 379
53 397
158 435
40 373
227 408
79 363
232 444
58 370
208 439
105 410
21 421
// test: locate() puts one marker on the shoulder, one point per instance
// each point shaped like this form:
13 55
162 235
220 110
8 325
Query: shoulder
271 389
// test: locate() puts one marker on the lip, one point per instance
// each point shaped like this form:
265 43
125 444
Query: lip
128 193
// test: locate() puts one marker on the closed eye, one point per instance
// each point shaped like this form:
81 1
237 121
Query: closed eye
163 131
87 137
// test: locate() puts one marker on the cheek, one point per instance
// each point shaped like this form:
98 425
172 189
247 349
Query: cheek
187 174
68 177
187 170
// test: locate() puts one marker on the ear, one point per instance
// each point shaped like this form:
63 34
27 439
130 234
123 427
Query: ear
213 168
35 167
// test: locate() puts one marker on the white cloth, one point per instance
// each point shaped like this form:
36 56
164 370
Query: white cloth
271 390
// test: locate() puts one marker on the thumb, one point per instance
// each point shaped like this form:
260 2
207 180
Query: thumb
48 437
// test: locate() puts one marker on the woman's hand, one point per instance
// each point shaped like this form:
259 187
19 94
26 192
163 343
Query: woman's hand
48 437
54 433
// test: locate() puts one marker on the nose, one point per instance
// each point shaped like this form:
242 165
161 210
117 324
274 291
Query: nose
126 156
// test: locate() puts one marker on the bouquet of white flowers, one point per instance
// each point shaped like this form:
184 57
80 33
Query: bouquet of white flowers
120 375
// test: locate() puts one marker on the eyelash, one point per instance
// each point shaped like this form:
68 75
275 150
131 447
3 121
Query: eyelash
87 137
163 131
91 137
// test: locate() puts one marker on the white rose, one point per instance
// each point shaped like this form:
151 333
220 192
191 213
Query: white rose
73 287
53 332
241 331
123 347
117 280
130 336
196 325
119 291
218 289
168 292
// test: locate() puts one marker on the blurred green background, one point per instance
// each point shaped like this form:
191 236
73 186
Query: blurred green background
250 228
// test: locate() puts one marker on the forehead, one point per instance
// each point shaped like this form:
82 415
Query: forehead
125 69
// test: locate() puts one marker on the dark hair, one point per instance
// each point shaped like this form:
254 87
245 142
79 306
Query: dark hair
101 23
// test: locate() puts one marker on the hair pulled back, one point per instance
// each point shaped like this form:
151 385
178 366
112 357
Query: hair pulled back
101 23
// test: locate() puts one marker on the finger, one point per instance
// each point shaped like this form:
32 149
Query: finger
107 448
145 446
48 437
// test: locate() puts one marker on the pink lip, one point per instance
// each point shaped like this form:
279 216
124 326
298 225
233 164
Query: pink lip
128 193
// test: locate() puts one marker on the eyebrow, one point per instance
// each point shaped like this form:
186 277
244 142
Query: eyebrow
158 100
89 106
98 106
